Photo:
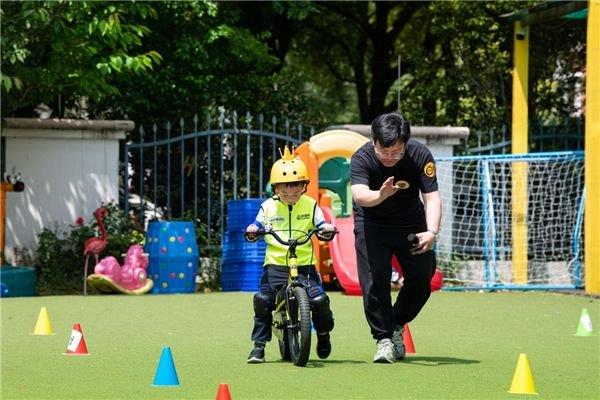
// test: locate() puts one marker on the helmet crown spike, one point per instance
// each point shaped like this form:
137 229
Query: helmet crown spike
287 155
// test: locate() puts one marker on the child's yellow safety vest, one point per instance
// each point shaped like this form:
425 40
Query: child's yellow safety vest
289 221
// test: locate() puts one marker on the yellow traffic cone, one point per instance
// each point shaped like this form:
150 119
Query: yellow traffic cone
43 325
522 382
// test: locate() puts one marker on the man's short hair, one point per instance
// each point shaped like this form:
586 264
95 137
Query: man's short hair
387 129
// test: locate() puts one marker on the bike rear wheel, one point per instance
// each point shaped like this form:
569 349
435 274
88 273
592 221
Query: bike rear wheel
298 335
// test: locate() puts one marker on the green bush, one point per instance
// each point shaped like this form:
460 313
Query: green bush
59 258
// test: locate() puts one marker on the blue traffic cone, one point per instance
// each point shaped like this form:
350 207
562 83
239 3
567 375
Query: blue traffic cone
166 375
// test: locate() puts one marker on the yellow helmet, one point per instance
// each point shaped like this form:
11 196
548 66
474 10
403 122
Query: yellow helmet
288 169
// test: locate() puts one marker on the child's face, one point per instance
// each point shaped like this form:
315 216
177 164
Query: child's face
290 192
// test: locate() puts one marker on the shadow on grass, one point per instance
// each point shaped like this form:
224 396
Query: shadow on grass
321 364
436 361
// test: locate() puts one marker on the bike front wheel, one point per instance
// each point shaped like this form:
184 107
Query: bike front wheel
284 347
299 326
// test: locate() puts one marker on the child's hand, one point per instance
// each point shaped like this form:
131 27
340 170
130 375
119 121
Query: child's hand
326 233
328 227
252 232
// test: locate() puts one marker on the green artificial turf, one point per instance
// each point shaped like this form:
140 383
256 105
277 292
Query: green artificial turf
467 347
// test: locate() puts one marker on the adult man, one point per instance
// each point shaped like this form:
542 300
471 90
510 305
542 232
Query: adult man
387 176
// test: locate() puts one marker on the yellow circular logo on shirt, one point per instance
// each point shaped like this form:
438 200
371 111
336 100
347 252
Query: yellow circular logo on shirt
429 169
402 185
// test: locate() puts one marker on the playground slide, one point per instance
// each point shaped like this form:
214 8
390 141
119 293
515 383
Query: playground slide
342 252
336 143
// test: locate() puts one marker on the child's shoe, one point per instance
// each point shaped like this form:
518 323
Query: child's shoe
257 355
323 345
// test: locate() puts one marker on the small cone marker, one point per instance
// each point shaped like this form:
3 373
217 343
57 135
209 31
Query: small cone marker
522 382
43 325
76 345
223 392
166 375
585 324
408 340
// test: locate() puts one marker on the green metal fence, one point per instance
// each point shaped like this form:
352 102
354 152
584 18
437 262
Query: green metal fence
191 170
543 137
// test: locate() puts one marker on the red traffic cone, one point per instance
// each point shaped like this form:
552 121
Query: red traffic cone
223 392
76 345
408 341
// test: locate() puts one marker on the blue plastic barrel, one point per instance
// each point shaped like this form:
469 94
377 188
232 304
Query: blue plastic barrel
173 256
242 262
241 213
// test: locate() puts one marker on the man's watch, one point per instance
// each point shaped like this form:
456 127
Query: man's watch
435 234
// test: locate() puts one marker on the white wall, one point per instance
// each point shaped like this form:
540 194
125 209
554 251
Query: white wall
67 174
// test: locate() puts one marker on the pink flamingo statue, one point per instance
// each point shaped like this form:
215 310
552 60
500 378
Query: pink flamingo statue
96 245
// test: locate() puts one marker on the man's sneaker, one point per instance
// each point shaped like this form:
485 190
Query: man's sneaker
257 355
398 340
385 351
323 345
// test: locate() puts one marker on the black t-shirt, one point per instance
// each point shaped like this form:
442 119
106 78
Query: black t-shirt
412 173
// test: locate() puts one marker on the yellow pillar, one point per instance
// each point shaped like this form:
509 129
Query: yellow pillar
4 187
592 149
520 145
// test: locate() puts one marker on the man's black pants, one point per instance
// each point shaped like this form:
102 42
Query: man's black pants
375 245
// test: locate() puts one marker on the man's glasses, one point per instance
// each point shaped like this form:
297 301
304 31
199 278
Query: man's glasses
396 155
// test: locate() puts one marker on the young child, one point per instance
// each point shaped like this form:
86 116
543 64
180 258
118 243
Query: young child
289 212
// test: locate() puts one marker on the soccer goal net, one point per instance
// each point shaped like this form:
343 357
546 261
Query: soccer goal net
512 222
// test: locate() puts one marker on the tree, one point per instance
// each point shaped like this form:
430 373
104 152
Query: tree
357 42
276 22
153 61
557 70
456 61
69 49
464 65
320 62
214 54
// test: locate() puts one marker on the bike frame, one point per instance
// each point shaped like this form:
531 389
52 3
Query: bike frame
293 267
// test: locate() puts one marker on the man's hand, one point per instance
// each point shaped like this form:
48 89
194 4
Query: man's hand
388 188
426 241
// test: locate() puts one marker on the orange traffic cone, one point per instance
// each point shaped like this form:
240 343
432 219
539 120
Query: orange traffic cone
408 340
223 392
76 345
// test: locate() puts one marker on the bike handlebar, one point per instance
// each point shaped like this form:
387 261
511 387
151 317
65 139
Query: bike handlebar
290 242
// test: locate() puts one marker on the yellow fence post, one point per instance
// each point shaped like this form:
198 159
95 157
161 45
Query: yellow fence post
520 145
592 149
